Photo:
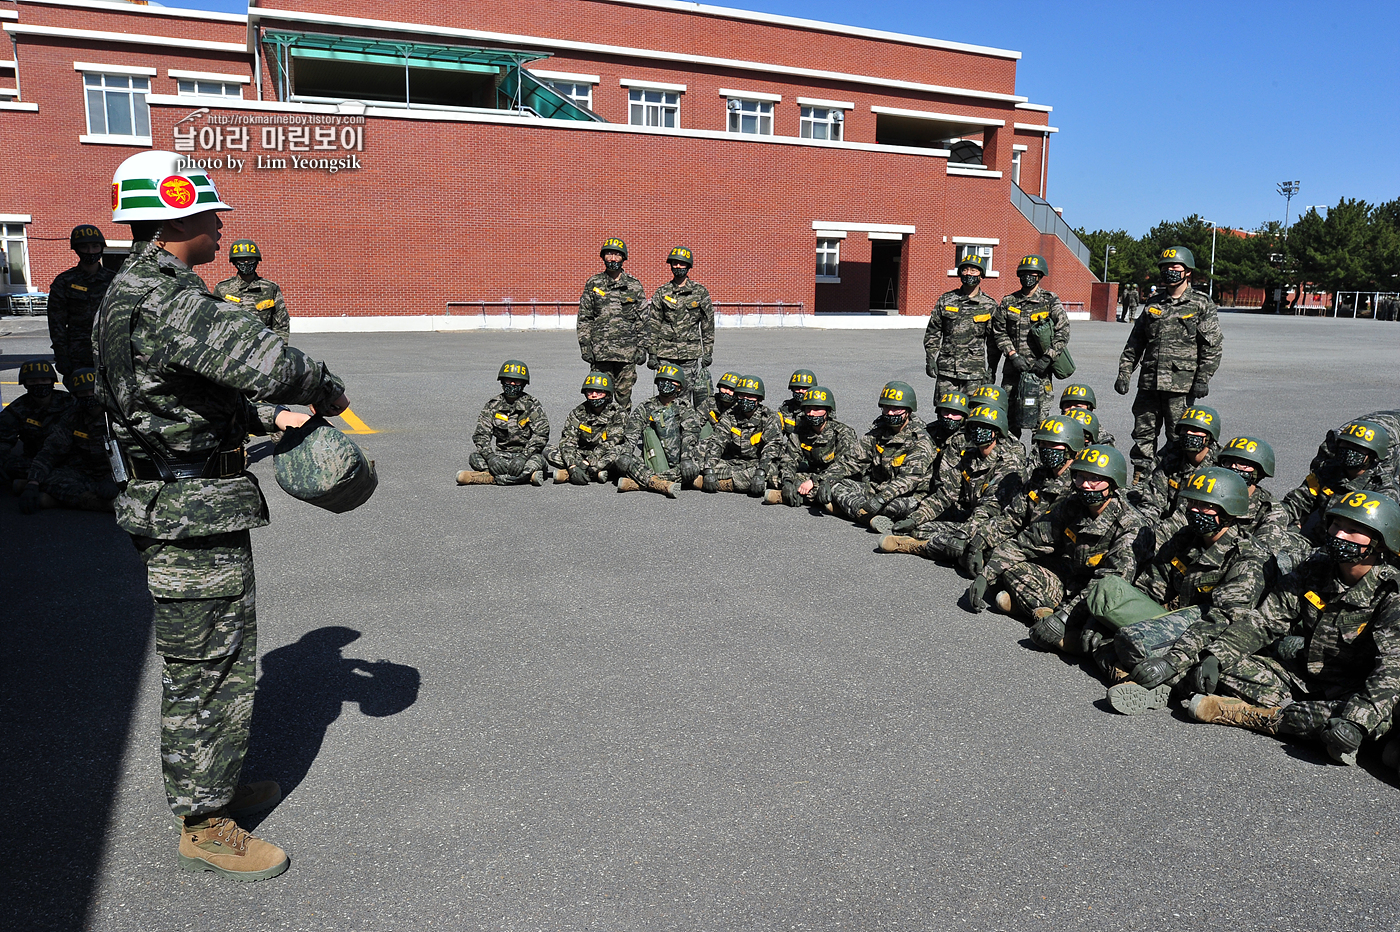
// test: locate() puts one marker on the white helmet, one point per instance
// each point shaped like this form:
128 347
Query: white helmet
161 186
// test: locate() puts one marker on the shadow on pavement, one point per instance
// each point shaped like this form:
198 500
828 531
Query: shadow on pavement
77 625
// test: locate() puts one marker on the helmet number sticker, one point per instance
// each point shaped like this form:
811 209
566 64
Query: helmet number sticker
1360 430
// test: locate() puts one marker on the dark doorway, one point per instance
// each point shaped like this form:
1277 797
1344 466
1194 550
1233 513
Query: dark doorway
885 256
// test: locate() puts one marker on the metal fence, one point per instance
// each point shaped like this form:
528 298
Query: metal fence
790 313
24 305
1043 217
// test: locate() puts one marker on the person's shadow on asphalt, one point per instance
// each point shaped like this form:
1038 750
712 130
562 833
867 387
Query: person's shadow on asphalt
301 692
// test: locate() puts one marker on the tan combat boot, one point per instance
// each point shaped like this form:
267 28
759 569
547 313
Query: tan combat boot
772 497
1003 601
724 485
561 476
895 543
475 477
698 483
1229 710
627 484
668 489
217 844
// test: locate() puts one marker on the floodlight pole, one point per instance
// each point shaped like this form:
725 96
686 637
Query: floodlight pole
1211 290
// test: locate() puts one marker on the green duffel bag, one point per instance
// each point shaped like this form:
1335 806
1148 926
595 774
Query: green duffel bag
1041 336
1154 636
1118 603
653 452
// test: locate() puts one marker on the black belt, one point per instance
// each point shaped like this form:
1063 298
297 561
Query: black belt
222 464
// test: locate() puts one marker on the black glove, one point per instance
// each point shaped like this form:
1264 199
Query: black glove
587 356
1153 672
975 557
497 464
1200 388
876 504
931 369
29 500
710 484
1204 677
1017 362
689 470
977 594
757 487
1049 632
1342 737
706 360
1042 365
578 475
652 361
1290 647
516 465
1121 386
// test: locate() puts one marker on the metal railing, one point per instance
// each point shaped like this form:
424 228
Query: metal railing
1043 217
743 310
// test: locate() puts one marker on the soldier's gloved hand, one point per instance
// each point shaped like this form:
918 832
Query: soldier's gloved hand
706 360
876 504
29 500
1042 365
1153 672
710 483
689 470
1200 388
975 559
757 487
1121 386
1018 362
1342 738
497 464
587 356
652 361
1290 647
977 594
577 475
516 465
1204 677
1049 632
931 369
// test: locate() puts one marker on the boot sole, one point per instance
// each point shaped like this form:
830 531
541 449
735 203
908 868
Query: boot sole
196 865
1133 699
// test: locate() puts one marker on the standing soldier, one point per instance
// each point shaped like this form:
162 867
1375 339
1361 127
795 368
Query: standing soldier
1130 304
958 344
252 292
1177 341
1032 331
74 298
175 372
680 325
611 332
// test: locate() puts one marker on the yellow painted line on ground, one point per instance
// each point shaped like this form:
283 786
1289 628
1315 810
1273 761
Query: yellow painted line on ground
9 383
357 426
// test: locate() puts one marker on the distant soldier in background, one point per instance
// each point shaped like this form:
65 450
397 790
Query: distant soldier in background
680 325
74 298
252 292
1131 302
611 331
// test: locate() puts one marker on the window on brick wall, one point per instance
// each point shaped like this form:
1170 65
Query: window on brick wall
116 106
8 82
821 123
14 258
828 260
581 94
751 117
647 107
191 87
967 249
1016 166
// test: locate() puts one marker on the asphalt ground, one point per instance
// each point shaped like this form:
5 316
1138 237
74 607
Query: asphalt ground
564 708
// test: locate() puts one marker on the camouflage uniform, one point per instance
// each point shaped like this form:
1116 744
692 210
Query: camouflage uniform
959 343
680 329
612 335
1016 315
953 515
789 412
590 440
24 427
1042 490
709 413
825 458
182 369
1305 508
1156 496
888 472
1177 341
676 425
261 298
74 298
1350 663
745 450
72 465
510 438
1267 521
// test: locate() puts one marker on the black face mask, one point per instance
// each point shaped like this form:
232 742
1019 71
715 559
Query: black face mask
666 388
1346 551
970 281
679 272
723 402
1248 473
596 404
1028 279
949 425
746 405
512 392
612 267
1092 498
1053 458
982 435
246 267
1172 277
892 422
813 423
41 391
1192 443
1204 524
1355 457
85 401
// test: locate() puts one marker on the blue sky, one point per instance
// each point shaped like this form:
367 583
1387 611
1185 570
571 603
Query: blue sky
1169 109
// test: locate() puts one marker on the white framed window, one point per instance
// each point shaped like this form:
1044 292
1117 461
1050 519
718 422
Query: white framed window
14 257
984 252
822 123
829 260
579 93
116 107
1018 152
751 117
650 107
193 87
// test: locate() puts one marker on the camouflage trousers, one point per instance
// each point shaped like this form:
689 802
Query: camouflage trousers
533 464
747 476
697 378
15 465
1036 585
947 383
601 457
624 378
1154 412
73 488
1273 683
206 634
851 496
947 540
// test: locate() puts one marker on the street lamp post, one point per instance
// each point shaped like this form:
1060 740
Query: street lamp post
1107 251
1211 289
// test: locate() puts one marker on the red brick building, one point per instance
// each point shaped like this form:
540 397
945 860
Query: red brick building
481 152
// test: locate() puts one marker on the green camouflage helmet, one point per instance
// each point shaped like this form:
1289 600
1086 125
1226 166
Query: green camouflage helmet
899 395
678 254
819 396
321 466
1217 485
1201 417
84 381
1089 419
1065 430
989 392
85 233
614 244
514 369
244 249
597 382
751 385
1371 510
990 415
974 260
666 372
1251 450
953 401
37 370
731 379
803 379
1368 435
1033 264
1102 460
1078 394
1174 254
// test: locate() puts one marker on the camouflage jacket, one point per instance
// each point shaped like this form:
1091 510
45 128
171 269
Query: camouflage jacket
1017 316
518 427
1305 508
1130 297
1177 341
183 371
77 441
1041 491
680 322
677 425
74 298
895 465
709 411
262 299
25 421
610 320
984 486
589 437
1079 546
1352 634
1226 578
960 337
788 413
1156 495
757 438
827 455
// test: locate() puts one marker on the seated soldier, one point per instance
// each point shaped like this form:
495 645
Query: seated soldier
1209 563
991 472
1267 522
27 421
510 434
817 456
714 407
1080 397
72 469
1195 445
1093 430
592 437
791 409
892 464
663 437
1047 568
742 453
1360 446
1320 657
